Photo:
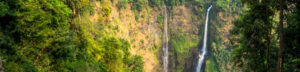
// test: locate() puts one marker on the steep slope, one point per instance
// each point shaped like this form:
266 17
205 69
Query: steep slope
144 34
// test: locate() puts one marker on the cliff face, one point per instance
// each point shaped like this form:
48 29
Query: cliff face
184 26
143 33
143 29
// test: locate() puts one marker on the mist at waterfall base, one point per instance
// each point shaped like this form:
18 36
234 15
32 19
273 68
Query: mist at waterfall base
203 51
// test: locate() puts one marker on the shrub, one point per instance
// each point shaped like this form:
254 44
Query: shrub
155 3
122 4
139 5
106 10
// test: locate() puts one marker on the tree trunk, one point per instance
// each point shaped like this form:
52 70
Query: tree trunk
268 38
1 66
279 64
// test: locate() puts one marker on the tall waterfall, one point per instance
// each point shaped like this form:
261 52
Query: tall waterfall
165 42
204 49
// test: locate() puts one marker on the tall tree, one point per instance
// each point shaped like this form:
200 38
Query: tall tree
279 63
254 36
291 34
255 47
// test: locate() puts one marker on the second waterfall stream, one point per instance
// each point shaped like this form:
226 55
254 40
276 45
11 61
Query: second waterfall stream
165 42
204 47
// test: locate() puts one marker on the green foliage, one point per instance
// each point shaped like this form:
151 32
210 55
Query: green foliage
139 5
255 45
134 64
80 6
122 4
36 35
142 41
175 2
251 40
136 16
4 8
291 38
160 18
181 44
222 55
211 65
155 3
37 29
115 51
13 67
106 11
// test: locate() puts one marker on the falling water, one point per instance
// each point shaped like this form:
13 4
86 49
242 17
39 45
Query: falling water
165 42
203 51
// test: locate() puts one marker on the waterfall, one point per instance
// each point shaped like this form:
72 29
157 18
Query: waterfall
165 42
203 51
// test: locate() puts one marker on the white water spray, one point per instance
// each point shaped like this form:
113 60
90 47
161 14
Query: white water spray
203 53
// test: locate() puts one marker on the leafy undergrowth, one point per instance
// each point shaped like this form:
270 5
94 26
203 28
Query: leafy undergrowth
182 43
47 36
211 65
